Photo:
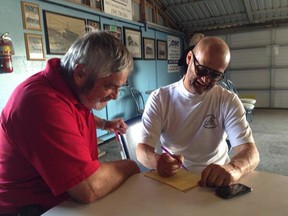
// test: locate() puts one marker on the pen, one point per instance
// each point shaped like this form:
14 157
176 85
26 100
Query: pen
169 153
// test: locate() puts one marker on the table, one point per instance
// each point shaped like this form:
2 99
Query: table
142 196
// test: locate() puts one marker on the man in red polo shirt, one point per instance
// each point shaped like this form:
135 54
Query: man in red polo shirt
48 145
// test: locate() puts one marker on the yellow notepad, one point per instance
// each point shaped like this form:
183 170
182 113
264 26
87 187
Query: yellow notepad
182 180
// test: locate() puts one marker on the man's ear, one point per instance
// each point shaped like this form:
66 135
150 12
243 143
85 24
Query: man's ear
189 57
79 75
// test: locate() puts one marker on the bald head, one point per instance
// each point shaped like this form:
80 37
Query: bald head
213 52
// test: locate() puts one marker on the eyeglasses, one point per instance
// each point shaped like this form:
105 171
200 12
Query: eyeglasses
202 70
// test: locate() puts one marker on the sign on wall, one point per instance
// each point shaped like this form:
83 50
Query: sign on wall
119 8
173 53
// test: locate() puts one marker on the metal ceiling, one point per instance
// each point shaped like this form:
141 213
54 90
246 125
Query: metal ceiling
213 15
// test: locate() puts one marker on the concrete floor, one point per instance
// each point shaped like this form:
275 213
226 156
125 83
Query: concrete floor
270 130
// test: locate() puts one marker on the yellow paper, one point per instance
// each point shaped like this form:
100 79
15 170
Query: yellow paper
182 180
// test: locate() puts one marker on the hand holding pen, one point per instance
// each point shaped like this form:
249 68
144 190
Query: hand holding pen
169 164
169 153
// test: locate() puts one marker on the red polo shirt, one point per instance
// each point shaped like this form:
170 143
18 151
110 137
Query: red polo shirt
47 142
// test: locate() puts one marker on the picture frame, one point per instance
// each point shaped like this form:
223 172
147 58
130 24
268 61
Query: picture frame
116 31
92 25
161 50
133 42
96 4
34 46
31 16
61 31
149 48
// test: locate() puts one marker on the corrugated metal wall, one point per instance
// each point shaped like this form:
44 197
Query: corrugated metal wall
259 65
203 15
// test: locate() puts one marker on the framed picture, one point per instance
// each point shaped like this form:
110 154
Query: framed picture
31 16
133 42
149 48
161 50
114 30
34 47
92 25
61 31
97 4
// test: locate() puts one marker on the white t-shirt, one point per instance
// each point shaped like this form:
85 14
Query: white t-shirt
195 126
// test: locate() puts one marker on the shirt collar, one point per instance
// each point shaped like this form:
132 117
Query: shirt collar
53 72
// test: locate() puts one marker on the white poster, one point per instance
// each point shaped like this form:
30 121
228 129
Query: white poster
119 8
173 53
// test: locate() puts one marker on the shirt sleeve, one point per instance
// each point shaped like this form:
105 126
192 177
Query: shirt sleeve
151 120
236 125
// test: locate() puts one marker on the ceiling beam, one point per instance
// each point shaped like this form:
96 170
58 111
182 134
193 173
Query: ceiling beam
168 21
248 11
211 19
189 3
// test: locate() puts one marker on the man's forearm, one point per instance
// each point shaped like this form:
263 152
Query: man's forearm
245 159
100 123
147 156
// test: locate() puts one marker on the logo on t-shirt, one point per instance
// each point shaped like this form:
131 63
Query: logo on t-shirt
210 121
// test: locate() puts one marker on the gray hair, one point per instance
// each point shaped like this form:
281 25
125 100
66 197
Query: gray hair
101 53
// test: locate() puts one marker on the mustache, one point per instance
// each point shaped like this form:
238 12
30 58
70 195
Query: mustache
106 99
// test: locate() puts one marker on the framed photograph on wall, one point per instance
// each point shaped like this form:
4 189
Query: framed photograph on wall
31 16
116 31
133 42
97 4
61 31
92 25
161 50
34 47
149 48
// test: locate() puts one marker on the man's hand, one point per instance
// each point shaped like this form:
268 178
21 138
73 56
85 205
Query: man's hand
168 165
116 125
244 160
219 175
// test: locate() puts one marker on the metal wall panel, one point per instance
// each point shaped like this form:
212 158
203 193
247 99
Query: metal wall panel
259 65
281 99
262 97
251 39
281 79
281 58
281 36
247 58
248 79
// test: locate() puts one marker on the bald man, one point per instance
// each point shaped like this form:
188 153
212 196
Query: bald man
193 117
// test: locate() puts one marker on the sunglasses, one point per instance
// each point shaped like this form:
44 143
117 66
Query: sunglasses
202 70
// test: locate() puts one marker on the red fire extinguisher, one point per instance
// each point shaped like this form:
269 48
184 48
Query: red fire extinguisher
6 52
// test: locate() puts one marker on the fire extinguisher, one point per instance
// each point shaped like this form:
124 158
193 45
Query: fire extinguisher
6 52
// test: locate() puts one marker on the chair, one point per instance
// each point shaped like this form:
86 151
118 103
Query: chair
248 103
129 140
138 99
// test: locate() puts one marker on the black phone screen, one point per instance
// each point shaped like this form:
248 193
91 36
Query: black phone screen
230 191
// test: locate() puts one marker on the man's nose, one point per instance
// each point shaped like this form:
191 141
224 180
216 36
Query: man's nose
206 79
114 94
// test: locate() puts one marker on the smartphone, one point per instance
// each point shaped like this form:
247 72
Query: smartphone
231 191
